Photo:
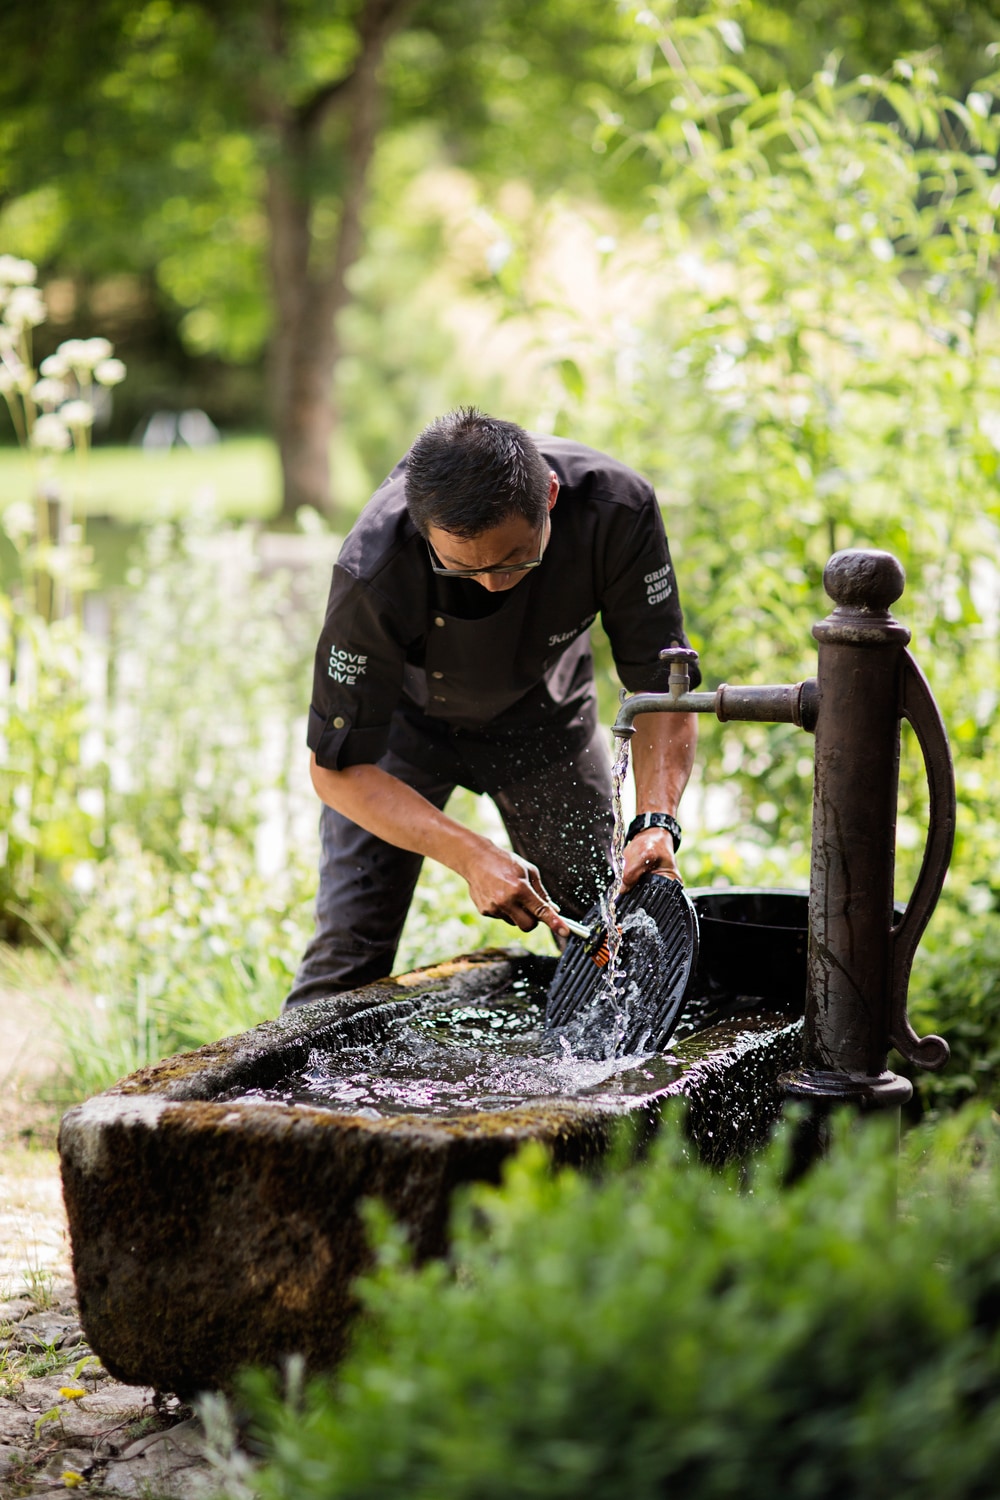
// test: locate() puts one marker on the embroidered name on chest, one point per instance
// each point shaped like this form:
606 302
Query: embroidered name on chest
569 635
346 666
659 585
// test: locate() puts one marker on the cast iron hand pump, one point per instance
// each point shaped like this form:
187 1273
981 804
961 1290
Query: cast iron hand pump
860 955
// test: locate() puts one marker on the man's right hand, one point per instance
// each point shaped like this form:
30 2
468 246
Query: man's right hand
504 885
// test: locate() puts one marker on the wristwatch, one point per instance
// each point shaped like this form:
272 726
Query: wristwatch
654 820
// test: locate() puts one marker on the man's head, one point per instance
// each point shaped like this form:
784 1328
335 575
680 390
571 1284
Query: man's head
480 492
467 473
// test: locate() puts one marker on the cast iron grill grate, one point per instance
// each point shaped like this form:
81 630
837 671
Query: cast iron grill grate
659 928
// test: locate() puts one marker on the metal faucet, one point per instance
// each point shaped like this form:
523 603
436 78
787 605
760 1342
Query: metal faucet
859 955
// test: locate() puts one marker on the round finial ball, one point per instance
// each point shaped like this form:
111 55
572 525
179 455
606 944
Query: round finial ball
864 580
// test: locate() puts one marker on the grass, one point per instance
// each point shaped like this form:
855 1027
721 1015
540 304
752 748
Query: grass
19 1365
239 479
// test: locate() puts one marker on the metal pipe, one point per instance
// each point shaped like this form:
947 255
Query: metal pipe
659 703
773 704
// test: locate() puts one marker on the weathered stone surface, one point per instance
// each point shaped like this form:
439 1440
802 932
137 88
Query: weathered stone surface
209 1236
171 1465
46 1330
10 1458
14 1310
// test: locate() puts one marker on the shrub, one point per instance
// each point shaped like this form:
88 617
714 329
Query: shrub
666 1331
956 992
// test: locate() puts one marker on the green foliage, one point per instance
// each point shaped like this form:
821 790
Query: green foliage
192 928
814 366
46 829
957 35
955 991
160 129
824 373
669 1331
211 669
176 953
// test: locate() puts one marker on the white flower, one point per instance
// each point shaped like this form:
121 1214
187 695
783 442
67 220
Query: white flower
109 372
98 349
8 380
18 520
48 392
83 354
25 308
74 352
51 432
77 414
55 366
14 272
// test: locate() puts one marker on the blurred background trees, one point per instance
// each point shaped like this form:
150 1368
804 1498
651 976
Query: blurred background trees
245 192
223 159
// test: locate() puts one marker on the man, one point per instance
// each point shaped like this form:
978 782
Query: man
456 652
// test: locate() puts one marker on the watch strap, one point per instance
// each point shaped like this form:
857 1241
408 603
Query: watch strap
654 820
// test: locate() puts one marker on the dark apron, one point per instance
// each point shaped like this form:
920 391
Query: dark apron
451 718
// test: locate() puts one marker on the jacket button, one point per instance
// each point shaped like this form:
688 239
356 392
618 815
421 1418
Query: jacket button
438 675
338 722
438 698
439 619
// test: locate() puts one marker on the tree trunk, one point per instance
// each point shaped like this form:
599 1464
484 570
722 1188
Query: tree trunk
308 291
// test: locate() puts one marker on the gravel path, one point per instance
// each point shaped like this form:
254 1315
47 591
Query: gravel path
64 1423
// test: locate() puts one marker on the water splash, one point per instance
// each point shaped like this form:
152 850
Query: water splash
490 1056
612 1022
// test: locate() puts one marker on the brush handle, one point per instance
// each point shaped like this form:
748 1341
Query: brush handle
578 929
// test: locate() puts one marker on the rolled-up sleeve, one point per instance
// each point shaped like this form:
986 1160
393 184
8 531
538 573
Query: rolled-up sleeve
640 602
357 676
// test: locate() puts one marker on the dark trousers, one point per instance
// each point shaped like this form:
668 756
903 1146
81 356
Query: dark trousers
559 819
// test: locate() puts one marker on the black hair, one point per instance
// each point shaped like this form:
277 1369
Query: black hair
468 472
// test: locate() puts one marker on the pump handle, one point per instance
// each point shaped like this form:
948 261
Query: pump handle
918 707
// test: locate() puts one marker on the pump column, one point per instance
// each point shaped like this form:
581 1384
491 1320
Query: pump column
848 989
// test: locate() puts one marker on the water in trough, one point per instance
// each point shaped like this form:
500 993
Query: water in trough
493 1054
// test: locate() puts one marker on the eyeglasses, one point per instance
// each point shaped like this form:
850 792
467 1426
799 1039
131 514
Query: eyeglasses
497 568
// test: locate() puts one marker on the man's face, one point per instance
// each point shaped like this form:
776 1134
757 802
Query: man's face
514 541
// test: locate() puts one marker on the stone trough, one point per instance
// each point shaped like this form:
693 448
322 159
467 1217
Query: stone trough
210 1234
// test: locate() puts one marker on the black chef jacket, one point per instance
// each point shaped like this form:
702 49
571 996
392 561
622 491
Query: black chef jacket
481 686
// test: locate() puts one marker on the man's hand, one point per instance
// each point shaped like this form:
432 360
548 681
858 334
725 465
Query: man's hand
504 885
653 849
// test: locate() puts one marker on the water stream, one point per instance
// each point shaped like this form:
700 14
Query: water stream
609 901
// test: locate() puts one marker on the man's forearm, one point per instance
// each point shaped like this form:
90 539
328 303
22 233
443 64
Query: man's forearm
395 812
663 750
500 883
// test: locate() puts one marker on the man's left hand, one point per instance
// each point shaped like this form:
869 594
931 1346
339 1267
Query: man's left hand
650 850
